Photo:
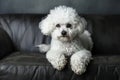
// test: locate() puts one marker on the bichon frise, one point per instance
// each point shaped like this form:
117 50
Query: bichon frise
69 38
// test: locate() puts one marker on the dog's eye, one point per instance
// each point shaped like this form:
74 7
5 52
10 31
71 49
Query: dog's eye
58 25
68 25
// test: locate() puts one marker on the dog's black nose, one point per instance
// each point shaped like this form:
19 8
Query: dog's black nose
64 33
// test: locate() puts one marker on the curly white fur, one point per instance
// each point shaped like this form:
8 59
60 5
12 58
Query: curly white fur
75 42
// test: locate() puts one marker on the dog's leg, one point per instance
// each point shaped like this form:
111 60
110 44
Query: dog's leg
57 59
80 60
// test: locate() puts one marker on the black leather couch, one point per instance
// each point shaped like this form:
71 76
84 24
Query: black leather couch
19 33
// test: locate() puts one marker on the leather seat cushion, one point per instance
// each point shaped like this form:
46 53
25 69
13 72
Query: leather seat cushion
34 66
24 66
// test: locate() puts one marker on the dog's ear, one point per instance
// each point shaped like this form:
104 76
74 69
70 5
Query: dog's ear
81 24
46 26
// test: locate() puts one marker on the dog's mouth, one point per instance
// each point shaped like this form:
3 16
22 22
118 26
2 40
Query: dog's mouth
64 38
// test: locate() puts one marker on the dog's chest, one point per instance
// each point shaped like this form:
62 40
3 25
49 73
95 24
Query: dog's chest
71 48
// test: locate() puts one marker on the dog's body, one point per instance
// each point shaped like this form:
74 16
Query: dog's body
69 38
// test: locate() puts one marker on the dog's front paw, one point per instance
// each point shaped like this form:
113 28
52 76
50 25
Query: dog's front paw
78 68
59 64
80 60
58 61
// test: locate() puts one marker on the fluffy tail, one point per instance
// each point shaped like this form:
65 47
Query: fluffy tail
43 47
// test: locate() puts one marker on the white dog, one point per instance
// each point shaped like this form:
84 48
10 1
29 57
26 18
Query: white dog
69 38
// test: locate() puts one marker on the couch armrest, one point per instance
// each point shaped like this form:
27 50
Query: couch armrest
6 45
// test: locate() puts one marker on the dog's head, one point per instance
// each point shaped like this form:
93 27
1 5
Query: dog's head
63 23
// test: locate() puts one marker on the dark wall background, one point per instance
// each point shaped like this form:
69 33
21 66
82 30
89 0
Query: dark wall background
43 6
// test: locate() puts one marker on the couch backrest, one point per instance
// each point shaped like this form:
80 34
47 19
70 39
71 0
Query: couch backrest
24 31
106 34
25 34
